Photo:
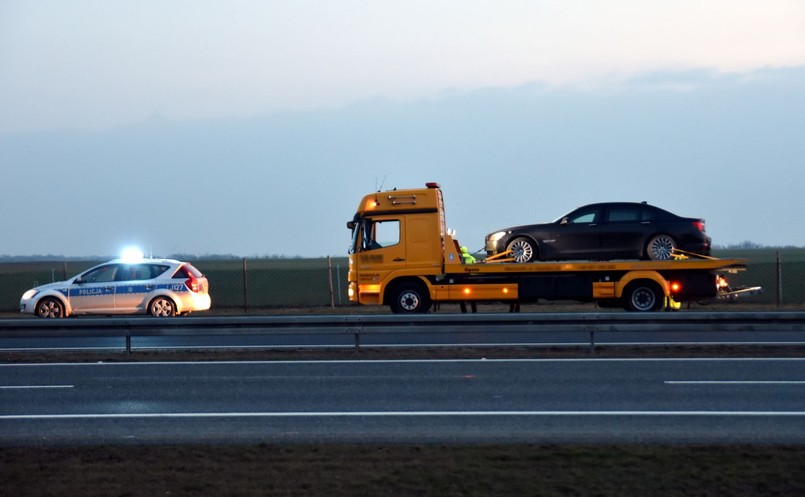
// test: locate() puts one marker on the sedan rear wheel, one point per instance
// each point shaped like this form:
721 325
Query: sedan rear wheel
162 307
660 248
522 250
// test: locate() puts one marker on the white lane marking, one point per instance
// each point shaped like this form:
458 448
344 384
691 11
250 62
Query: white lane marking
32 387
406 361
736 382
376 414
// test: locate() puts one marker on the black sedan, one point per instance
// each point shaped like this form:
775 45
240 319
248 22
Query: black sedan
604 231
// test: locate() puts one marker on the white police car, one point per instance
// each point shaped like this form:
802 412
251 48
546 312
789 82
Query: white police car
159 287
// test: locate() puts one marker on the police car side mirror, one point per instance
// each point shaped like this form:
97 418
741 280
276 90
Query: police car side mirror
79 281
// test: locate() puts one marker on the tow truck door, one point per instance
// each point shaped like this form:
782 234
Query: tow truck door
380 248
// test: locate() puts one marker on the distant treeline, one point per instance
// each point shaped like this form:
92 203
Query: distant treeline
747 245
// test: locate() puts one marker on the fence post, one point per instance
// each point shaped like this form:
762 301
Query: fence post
330 272
64 270
779 280
338 279
245 289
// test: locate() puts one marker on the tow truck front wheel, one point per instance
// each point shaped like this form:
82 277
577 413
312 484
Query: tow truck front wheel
410 298
643 297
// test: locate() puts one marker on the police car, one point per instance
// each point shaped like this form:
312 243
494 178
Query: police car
159 287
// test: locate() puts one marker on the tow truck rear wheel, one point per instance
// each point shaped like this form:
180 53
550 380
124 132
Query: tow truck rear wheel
410 298
522 250
643 296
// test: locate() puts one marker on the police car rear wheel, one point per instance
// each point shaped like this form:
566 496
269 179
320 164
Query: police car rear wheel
49 308
162 307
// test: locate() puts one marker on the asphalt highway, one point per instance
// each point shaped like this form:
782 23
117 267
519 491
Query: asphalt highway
422 401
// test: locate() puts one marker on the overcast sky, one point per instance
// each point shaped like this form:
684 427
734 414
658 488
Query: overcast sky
254 127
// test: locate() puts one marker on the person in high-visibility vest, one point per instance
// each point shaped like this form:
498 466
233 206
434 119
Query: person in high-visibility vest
466 256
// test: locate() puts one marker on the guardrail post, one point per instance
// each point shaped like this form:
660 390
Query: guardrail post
128 340
591 329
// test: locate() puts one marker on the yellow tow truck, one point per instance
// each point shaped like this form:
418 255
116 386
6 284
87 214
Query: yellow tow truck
403 256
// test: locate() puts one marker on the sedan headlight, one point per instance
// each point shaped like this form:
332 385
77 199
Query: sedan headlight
494 237
29 294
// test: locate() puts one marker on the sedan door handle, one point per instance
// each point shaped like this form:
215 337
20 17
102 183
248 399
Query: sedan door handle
398 259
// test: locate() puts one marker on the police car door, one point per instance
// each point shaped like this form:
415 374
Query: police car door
94 291
131 287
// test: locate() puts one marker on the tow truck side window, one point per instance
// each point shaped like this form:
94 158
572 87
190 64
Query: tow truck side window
379 234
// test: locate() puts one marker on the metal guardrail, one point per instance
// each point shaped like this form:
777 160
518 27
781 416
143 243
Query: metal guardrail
358 325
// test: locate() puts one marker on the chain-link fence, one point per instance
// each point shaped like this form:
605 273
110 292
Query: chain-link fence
259 283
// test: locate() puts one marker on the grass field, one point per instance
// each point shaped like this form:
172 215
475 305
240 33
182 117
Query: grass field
398 471
281 283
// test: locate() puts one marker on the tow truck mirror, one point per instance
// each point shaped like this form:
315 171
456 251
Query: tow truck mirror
351 225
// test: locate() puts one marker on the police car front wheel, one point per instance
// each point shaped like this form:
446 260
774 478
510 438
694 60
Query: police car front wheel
50 307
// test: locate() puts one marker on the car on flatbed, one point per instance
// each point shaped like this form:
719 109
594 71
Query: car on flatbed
603 231
159 287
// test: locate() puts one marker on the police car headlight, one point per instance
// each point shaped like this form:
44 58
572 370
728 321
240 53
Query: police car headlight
494 237
29 294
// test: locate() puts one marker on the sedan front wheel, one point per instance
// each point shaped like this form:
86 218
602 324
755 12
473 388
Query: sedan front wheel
522 250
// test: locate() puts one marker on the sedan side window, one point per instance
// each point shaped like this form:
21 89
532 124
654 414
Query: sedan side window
623 215
582 217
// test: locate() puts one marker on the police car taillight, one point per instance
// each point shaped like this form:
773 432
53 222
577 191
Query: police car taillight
192 284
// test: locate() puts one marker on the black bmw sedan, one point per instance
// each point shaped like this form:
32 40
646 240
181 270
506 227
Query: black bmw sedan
603 231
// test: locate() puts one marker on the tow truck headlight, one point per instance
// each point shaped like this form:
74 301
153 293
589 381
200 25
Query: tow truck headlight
29 294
